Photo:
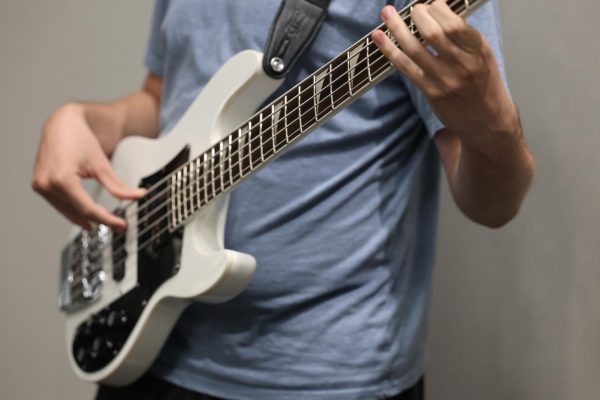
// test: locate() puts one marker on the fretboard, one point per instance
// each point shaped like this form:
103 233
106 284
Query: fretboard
290 117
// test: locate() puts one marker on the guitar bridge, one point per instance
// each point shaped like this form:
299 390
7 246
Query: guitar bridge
82 271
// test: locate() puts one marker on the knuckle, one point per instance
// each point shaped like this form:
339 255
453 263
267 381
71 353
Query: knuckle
433 35
453 87
435 95
470 74
438 4
411 51
455 28
59 181
88 212
419 8
471 71
40 184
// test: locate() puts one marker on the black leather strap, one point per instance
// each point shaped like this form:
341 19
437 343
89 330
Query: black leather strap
295 27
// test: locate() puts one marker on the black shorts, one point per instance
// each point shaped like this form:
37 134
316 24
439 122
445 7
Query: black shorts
150 387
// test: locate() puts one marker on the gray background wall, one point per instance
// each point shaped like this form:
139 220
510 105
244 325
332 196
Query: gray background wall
515 312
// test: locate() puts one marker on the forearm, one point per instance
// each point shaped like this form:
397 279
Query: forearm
136 114
489 179
75 143
482 148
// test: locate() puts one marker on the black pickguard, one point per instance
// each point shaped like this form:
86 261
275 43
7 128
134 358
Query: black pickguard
101 337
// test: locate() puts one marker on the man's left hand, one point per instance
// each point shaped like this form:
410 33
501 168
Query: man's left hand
455 69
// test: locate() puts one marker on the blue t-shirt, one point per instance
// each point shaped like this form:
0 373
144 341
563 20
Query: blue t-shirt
342 226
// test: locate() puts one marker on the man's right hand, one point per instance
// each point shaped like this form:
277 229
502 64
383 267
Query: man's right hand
75 143
69 151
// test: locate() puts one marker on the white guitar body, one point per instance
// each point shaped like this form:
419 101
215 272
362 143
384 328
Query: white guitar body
207 271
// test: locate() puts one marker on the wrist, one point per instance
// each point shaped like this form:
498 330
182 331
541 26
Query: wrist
501 132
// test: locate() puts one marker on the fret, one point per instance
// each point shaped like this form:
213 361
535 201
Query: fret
236 153
222 157
340 90
331 83
187 210
214 175
189 189
279 128
299 100
244 151
275 111
350 72
266 134
180 196
315 98
260 137
183 193
197 181
377 62
368 62
191 182
206 171
191 186
230 167
285 119
323 93
359 71
255 142
173 187
292 117
177 199
309 116
250 144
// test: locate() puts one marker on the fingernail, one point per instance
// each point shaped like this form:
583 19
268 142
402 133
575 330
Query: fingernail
388 12
377 37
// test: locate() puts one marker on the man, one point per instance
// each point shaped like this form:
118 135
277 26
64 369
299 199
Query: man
342 226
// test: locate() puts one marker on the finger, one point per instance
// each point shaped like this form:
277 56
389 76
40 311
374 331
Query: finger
51 190
107 177
68 211
455 27
433 33
409 44
88 209
400 60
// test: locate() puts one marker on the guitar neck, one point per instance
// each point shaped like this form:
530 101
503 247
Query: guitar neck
286 120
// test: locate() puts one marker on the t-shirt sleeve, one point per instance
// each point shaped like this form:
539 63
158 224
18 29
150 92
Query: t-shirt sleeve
155 52
487 21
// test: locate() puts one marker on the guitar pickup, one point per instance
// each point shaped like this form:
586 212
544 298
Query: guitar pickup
119 251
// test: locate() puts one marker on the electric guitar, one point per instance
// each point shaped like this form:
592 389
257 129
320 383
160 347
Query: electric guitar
122 292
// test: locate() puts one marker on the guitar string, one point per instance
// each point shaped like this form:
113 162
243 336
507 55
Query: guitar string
166 216
243 171
270 114
210 160
228 171
258 136
256 140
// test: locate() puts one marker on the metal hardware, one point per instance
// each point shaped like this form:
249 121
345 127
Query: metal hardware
277 64
82 269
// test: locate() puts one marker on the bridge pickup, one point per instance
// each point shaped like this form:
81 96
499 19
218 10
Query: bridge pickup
119 250
82 270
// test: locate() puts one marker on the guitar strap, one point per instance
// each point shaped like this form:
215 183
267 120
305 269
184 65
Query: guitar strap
294 28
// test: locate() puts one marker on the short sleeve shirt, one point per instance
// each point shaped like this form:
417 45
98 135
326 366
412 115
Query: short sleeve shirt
342 225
